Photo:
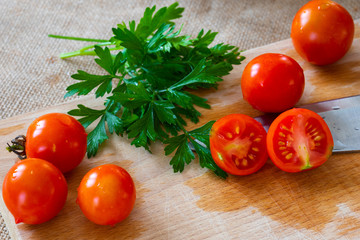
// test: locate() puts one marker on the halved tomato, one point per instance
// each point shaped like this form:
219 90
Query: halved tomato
238 144
299 139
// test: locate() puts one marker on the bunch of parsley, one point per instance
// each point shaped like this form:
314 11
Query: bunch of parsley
150 69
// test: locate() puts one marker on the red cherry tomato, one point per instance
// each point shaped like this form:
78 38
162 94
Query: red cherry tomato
299 139
272 82
34 191
57 138
238 144
106 194
322 32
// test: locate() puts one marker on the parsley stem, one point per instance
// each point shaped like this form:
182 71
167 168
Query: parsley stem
77 38
84 51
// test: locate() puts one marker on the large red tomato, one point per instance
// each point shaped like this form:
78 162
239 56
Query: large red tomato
238 144
34 191
322 31
57 138
106 194
299 139
272 82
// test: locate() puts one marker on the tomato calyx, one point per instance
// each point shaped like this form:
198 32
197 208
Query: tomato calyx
18 146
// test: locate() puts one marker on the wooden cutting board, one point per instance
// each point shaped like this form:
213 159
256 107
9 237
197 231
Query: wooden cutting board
323 203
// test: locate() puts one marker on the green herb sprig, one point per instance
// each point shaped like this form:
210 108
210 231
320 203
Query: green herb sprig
151 72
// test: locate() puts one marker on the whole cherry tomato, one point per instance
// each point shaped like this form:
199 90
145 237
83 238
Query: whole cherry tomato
57 138
272 82
322 32
238 144
299 139
106 194
34 191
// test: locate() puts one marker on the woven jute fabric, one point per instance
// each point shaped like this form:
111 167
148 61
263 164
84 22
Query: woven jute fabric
33 77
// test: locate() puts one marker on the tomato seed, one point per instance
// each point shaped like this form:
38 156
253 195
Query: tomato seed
313 130
289 156
237 130
244 162
314 134
284 153
317 138
285 128
255 149
257 139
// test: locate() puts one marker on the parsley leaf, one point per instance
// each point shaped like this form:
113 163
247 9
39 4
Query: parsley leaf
149 72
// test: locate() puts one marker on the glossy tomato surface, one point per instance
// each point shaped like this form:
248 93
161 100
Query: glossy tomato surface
272 82
106 194
57 138
238 144
34 191
322 32
299 139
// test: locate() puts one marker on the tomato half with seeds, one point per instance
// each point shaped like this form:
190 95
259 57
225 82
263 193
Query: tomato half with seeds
238 144
299 139
57 138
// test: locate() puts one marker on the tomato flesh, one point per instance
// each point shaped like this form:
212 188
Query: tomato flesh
106 194
238 144
34 191
299 139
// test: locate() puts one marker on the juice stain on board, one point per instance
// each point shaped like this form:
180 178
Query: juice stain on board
302 200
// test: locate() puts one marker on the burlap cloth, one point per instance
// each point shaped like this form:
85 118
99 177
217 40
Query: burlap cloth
32 76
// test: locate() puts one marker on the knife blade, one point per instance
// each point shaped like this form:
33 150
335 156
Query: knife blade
342 117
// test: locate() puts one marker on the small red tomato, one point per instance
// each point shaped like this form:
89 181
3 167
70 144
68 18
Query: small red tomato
299 139
272 82
34 191
322 32
106 194
57 138
238 144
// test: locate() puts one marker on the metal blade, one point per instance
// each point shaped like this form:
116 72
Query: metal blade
344 125
318 107
342 117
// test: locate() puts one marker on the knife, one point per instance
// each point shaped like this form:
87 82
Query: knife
342 117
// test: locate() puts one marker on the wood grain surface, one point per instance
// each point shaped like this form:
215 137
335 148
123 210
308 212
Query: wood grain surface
323 203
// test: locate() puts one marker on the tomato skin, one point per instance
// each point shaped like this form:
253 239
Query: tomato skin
298 140
106 194
34 191
238 144
272 82
322 32
57 138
